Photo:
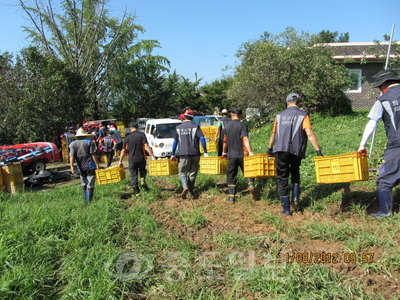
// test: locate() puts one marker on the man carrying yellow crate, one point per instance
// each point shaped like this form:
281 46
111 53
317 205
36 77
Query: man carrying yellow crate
292 127
236 146
387 108
188 136
135 145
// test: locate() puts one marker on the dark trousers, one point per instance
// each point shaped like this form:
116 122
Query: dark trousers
287 163
110 156
389 172
220 145
135 169
233 168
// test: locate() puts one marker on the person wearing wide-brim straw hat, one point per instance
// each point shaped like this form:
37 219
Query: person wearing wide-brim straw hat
387 108
83 151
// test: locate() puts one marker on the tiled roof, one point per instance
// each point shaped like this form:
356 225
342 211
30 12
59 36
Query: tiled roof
357 51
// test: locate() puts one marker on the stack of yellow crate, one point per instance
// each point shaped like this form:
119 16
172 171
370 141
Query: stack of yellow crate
110 175
64 149
13 178
209 135
1 183
341 168
121 128
212 146
259 166
163 167
209 132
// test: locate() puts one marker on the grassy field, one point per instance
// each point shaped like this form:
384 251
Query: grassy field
53 246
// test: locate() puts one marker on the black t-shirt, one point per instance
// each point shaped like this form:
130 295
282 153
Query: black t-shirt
234 132
134 145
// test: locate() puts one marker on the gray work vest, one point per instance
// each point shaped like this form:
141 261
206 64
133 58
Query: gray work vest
391 115
290 136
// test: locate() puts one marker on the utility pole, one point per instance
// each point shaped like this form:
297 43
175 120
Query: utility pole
386 66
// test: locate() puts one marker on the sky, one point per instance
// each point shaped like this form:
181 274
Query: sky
200 37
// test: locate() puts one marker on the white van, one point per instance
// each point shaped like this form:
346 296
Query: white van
159 134
142 123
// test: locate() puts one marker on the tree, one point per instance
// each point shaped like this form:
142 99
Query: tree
93 44
141 86
39 95
214 95
270 70
326 36
394 61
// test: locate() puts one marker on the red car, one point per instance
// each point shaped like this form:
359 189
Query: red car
33 156
90 125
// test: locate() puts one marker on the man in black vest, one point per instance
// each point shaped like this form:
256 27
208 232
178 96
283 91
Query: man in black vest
292 127
387 108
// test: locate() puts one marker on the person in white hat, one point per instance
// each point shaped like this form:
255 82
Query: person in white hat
83 151
220 126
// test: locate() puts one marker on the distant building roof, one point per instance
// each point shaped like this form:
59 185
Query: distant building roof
357 51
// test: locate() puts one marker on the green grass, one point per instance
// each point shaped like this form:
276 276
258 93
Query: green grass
54 246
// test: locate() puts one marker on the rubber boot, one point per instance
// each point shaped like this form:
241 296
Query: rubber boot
136 192
143 184
295 194
84 192
385 204
232 193
185 187
286 205
190 184
89 195
252 189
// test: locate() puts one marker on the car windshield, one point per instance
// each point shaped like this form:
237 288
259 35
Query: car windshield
164 131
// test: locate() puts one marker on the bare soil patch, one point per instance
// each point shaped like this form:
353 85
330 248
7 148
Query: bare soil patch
244 218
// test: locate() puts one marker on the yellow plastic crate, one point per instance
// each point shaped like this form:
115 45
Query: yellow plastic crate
163 167
65 155
102 159
213 165
110 175
341 168
11 169
12 174
121 129
212 146
259 166
14 188
209 132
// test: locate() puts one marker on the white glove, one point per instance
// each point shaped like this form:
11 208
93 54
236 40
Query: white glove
206 154
251 154
153 158
361 148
